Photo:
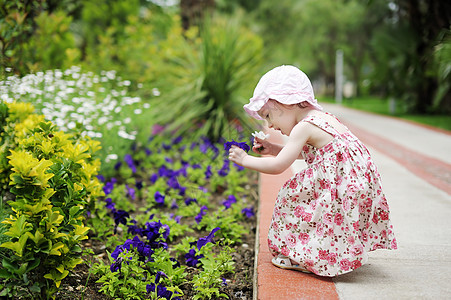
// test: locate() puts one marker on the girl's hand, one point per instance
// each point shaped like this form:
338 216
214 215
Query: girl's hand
237 155
262 147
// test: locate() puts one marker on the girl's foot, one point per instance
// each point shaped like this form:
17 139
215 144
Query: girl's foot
283 262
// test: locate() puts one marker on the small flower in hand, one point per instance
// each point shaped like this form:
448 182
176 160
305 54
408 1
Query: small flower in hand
260 135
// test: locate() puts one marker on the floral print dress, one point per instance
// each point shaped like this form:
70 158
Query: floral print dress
330 215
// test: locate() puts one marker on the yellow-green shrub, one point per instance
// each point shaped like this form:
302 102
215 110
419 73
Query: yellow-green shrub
52 177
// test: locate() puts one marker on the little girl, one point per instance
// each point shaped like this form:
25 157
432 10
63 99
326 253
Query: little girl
329 216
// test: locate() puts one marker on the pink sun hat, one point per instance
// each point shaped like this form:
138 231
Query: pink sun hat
285 84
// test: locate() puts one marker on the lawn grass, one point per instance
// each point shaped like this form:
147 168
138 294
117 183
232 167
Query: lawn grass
382 106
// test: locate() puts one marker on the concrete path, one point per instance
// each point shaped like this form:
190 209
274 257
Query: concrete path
415 165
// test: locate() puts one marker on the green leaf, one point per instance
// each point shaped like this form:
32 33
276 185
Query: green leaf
37 237
18 247
73 212
18 227
5 274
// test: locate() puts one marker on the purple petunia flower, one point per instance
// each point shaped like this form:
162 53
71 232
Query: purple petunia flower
200 215
108 187
120 216
208 172
248 211
238 167
173 183
130 192
159 198
174 204
129 160
242 145
116 265
109 203
139 184
208 239
225 169
154 178
177 140
230 200
188 201
192 259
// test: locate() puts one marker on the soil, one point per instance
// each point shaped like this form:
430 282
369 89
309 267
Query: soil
81 283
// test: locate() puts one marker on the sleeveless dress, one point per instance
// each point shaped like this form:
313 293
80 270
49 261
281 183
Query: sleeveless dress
330 215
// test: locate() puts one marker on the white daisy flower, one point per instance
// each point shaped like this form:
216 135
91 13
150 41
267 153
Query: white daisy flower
260 134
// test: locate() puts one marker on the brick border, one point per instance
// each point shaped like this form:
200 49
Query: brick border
271 282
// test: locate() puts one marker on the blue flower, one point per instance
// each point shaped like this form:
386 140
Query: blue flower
101 178
108 187
225 168
159 198
129 160
173 183
248 211
200 215
164 171
130 192
177 140
238 167
116 265
153 178
139 184
208 172
120 216
208 239
188 201
242 145
174 204
159 275
230 200
192 259
109 204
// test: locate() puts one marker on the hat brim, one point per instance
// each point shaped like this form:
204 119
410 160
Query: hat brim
253 107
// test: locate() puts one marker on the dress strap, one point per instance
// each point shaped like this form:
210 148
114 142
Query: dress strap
321 123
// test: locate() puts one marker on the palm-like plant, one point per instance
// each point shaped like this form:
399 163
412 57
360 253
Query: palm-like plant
210 81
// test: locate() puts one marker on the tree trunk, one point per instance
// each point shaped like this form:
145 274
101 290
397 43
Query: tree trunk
192 11
427 19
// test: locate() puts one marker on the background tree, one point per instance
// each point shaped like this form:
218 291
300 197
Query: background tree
428 20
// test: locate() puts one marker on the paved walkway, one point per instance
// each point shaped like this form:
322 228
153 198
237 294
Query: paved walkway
415 165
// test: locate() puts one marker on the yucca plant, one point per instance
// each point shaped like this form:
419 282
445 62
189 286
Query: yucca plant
209 82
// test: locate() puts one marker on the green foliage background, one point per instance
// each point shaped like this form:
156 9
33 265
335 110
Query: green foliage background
388 51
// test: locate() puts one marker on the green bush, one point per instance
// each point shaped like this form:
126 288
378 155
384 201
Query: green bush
52 44
52 178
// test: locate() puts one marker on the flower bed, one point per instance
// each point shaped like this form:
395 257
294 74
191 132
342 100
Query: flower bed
178 215
176 220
